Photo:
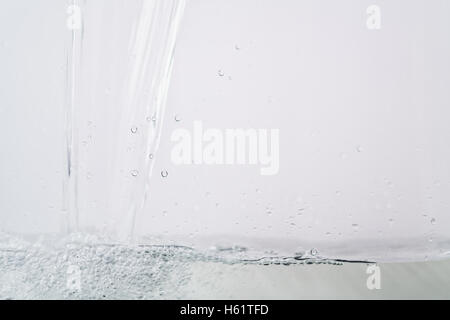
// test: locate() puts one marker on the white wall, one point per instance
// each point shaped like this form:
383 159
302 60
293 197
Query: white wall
362 116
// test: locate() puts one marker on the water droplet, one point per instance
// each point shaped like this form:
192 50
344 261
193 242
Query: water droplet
314 252
433 221
164 173
359 149
150 156
134 173
220 73
236 47
355 227
134 129
299 253
177 118
152 118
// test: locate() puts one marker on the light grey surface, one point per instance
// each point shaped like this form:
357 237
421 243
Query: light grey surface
423 280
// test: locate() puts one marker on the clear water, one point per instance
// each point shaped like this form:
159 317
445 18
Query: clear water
87 267
119 61
120 179
92 207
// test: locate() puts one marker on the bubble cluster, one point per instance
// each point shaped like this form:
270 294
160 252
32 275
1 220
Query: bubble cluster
84 266
93 271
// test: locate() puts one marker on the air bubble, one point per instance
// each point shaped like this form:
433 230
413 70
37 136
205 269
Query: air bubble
134 173
164 173
134 129
151 119
314 252
177 118
220 73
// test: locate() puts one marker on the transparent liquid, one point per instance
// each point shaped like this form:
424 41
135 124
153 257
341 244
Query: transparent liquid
87 179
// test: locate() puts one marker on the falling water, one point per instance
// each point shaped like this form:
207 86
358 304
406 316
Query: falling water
141 36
